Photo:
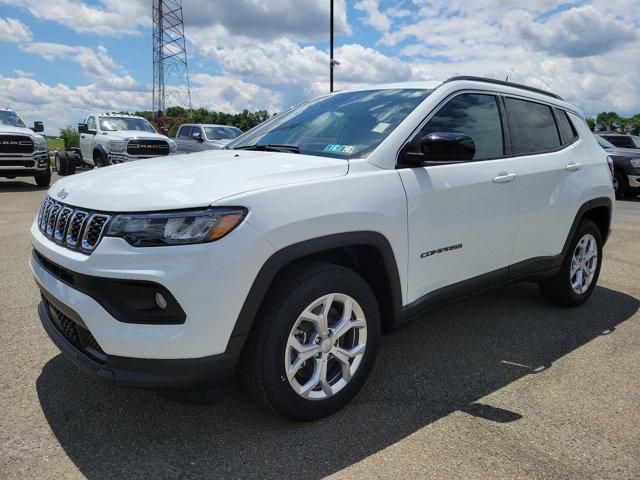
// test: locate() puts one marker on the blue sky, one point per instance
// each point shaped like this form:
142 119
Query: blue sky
60 59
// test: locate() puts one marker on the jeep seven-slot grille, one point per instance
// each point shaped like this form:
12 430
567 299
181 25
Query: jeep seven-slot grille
15 144
148 147
74 228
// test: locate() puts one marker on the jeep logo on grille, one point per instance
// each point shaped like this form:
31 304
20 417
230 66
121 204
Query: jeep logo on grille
63 193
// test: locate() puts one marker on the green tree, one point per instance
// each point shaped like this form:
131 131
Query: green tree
591 122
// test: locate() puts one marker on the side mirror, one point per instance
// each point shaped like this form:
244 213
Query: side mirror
441 148
197 136
83 128
164 131
38 127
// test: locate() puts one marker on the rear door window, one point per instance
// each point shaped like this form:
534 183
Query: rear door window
533 127
566 126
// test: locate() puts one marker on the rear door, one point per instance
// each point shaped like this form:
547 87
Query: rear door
552 177
462 216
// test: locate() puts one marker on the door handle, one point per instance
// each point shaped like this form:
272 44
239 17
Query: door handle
81 136
572 167
504 177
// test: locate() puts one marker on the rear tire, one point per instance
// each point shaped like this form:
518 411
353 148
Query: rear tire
578 275
61 163
620 184
43 180
291 321
71 162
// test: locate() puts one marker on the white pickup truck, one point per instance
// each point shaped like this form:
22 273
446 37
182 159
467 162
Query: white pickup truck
108 139
23 153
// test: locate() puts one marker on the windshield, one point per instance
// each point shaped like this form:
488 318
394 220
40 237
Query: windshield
343 125
222 133
11 119
636 140
603 143
110 124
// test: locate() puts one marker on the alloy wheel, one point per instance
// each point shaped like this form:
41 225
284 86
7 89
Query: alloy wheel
325 346
583 264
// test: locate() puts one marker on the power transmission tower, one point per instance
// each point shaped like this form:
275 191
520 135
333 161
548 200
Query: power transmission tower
170 68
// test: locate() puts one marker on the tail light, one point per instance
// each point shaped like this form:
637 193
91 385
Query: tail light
610 162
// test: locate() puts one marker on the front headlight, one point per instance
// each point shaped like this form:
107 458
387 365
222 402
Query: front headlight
635 162
40 144
173 146
116 145
176 228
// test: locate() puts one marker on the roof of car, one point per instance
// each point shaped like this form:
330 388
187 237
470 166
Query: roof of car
483 83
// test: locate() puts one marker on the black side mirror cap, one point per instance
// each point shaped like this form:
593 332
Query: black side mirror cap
164 131
440 148
83 128
38 127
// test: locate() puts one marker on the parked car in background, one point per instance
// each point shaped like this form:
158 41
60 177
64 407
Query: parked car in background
23 152
626 168
108 139
620 140
196 137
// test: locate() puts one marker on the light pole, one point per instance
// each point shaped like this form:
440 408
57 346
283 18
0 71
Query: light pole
331 47
332 62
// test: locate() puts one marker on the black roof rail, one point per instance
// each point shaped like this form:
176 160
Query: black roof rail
506 84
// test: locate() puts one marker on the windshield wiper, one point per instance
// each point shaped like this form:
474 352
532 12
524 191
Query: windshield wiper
271 147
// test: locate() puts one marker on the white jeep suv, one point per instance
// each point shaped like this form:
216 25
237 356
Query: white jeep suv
108 139
284 256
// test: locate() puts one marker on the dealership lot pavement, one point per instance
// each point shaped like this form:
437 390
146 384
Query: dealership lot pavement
496 385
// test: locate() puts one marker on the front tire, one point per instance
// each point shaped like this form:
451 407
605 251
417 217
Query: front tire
580 269
315 344
44 179
61 163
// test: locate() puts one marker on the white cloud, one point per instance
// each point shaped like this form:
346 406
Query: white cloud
13 30
578 32
22 74
107 17
374 17
265 20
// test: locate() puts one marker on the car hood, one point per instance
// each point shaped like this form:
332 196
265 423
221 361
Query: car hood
187 181
7 130
122 134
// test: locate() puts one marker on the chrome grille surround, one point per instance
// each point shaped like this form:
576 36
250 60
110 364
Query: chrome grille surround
74 228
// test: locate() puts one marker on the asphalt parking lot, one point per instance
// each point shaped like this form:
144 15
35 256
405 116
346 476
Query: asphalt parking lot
499 385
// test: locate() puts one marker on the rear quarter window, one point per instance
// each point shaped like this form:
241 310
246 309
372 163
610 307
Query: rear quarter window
533 127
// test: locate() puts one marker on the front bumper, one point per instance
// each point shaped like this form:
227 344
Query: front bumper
68 333
24 164
115 158
634 181
209 281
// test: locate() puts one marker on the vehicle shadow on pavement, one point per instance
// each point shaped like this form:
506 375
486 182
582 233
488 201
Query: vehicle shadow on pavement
18 186
465 351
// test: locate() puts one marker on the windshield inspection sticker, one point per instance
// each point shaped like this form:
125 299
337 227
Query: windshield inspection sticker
340 148
379 128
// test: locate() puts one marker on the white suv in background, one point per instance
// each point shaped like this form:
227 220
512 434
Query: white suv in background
196 137
284 256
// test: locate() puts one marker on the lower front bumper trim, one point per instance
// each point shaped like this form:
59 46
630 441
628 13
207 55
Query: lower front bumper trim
188 374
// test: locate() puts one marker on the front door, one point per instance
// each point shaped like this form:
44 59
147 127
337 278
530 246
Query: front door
462 217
